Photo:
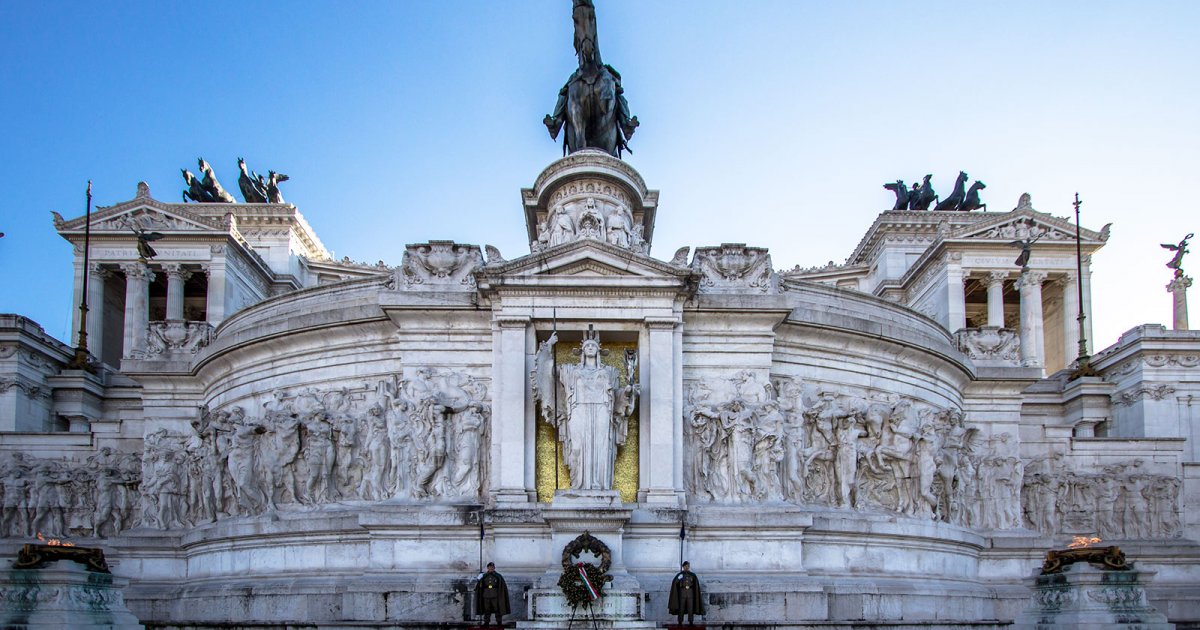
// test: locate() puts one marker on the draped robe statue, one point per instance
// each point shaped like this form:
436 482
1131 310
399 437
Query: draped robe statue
590 409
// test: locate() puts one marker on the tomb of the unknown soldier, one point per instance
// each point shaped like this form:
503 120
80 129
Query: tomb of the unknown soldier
245 432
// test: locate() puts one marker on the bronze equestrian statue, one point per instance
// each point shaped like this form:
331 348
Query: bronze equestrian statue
922 196
901 194
592 104
972 200
951 203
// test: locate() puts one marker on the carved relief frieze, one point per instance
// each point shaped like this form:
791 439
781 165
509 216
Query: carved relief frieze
402 438
172 337
734 268
1122 500
96 497
442 265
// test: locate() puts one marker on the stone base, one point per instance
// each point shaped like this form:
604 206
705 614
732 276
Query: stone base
63 595
618 608
1084 596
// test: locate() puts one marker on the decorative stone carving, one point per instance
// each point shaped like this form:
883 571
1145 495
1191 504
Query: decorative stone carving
65 498
593 418
734 268
404 438
440 265
1118 501
991 344
175 336
1130 396
590 209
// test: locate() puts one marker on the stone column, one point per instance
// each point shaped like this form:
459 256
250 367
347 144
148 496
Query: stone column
1178 289
176 276
658 389
1086 281
137 306
216 292
1032 338
510 380
95 323
995 298
1070 320
957 307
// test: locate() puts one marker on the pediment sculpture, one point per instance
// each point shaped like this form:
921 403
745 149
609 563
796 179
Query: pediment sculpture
441 265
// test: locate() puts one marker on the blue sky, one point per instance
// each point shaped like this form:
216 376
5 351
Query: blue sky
770 123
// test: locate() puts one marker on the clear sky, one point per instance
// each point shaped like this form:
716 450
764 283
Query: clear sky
769 123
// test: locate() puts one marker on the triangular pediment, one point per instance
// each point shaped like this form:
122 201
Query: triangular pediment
586 258
1025 222
142 213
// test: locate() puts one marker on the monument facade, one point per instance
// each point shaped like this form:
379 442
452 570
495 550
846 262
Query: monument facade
268 435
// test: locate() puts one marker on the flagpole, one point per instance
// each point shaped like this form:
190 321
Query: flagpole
481 539
554 393
80 360
682 534
1083 365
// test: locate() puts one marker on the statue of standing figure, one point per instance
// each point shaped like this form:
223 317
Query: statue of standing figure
590 409
592 104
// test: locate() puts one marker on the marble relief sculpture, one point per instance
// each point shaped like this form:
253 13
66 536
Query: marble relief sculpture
1121 500
405 438
751 441
65 498
593 409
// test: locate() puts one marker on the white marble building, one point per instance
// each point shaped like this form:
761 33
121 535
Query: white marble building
273 436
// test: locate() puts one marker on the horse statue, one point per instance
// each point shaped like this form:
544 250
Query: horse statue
592 104
252 190
212 188
195 191
971 202
272 186
951 203
901 194
922 195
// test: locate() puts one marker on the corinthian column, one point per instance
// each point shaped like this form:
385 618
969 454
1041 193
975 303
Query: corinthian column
95 323
1178 289
995 298
1032 327
137 305
176 276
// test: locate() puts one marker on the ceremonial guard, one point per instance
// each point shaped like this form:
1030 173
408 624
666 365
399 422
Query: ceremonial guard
491 595
685 596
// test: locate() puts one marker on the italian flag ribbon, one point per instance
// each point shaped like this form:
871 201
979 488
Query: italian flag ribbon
592 592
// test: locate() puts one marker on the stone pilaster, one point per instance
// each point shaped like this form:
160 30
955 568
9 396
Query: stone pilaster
957 307
510 378
137 305
995 298
176 276
1178 289
216 290
658 385
1029 283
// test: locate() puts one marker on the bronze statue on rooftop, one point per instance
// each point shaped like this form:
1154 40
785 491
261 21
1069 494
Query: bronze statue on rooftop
592 104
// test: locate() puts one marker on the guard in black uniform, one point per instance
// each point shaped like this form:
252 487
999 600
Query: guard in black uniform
491 595
685 596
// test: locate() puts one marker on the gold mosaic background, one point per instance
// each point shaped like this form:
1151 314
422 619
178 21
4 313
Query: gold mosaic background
625 476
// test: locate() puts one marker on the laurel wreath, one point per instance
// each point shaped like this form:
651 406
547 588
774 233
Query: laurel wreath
573 588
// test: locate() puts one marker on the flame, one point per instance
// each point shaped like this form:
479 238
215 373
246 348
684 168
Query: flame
1082 542
54 542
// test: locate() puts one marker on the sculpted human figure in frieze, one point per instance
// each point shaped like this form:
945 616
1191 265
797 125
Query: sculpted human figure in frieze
593 409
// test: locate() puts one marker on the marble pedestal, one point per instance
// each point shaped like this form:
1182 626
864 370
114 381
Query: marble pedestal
63 595
1084 597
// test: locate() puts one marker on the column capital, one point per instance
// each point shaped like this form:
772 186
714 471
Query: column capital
97 270
512 321
176 271
137 271
661 323
1179 283
1031 279
995 277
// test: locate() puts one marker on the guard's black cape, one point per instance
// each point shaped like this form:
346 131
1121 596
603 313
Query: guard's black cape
675 601
502 601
